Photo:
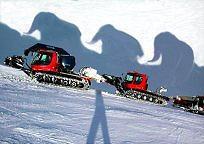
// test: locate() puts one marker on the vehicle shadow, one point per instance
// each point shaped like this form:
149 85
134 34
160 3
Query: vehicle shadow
99 118
12 42
178 72
120 52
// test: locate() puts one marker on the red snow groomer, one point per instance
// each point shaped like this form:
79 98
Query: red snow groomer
134 85
135 80
50 64
193 104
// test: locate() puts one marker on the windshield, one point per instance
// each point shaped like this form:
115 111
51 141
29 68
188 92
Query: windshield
129 78
138 79
41 58
68 62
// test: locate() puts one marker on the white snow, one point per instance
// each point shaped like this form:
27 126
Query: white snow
142 19
31 112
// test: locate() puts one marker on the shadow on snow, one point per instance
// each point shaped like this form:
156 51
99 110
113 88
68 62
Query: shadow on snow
177 72
99 118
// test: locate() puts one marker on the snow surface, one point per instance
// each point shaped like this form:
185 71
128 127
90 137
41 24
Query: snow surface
31 112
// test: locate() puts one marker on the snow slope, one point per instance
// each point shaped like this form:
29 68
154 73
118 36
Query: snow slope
31 112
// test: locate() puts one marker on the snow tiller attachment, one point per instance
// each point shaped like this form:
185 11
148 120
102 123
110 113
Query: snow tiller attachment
134 85
14 61
50 64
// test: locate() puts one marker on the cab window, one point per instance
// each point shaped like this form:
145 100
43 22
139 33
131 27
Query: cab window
138 79
41 58
129 78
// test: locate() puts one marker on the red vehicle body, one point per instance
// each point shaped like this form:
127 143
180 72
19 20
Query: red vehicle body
135 85
50 59
54 65
135 81
50 64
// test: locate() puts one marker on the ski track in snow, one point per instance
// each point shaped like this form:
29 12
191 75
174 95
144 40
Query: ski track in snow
31 112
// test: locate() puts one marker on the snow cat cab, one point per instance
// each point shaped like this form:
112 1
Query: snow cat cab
50 64
134 85
135 81
50 59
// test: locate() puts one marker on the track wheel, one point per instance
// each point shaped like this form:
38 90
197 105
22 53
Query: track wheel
128 93
53 79
44 77
73 84
150 99
65 83
39 78
135 95
156 100
144 97
139 96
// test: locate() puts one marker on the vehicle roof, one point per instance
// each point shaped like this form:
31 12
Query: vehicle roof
40 46
136 73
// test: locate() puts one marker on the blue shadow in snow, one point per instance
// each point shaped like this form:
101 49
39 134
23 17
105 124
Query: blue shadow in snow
99 118
177 70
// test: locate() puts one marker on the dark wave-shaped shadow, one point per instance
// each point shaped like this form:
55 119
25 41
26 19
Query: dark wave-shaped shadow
11 41
177 72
